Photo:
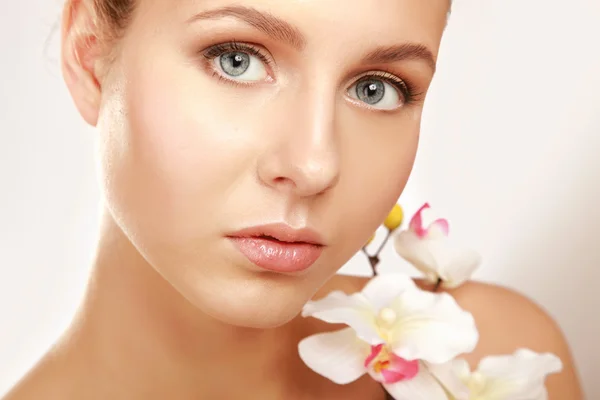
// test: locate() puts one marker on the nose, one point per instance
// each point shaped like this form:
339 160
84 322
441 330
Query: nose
302 156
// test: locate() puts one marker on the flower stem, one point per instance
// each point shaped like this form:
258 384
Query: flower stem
373 260
437 285
382 245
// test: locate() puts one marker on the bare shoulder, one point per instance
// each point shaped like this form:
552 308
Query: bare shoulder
507 321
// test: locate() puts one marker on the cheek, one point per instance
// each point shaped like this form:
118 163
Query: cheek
393 163
169 154
376 176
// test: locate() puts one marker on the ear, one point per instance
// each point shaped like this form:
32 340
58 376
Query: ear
80 58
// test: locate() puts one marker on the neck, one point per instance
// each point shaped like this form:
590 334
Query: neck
136 335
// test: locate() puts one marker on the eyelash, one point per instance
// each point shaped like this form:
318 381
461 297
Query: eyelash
222 48
403 86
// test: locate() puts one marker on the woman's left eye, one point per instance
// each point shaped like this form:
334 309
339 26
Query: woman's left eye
238 62
379 93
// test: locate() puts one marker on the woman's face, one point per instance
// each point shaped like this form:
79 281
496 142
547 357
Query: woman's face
217 116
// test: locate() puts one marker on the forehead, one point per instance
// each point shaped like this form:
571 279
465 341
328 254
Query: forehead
331 22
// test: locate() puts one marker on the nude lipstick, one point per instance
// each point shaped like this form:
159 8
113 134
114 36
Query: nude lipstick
278 247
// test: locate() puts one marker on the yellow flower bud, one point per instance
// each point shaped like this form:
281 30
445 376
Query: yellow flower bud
394 218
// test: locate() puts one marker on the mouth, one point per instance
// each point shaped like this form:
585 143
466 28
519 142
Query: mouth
278 247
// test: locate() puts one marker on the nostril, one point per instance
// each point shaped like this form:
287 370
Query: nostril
283 181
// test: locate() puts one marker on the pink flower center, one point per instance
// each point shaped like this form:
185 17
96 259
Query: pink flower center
387 367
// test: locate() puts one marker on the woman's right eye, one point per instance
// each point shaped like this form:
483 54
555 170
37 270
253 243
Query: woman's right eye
241 66
238 62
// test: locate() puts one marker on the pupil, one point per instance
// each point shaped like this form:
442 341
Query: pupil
372 89
237 60
235 64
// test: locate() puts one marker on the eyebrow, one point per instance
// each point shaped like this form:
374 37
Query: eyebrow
270 25
281 30
402 52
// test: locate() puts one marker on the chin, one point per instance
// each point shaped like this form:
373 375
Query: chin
249 317
264 302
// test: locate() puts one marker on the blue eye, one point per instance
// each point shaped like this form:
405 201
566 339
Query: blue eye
238 62
371 91
234 64
378 93
241 66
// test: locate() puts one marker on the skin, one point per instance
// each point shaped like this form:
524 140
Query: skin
186 157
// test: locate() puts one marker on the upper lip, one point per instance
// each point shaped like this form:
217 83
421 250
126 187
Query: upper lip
282 233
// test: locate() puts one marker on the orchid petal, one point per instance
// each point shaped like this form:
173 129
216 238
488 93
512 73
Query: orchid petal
452 376
354 311
375 351
438 258
386 367
382 289
400 370
422 387
454 264
338 356
460 268
431 327
520 376
425 224
438 229
416 222
416 251
522 362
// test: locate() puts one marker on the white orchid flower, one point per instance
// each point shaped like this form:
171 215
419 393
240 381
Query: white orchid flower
396 331
520 376
425 244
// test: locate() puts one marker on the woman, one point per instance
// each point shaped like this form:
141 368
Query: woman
246 151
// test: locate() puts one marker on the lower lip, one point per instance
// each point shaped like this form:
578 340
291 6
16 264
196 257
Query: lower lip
278 256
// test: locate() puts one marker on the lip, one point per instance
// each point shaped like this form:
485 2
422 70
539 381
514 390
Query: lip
278 247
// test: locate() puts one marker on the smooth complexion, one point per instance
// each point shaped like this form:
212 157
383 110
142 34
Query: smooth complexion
191 153
283 123
215 117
